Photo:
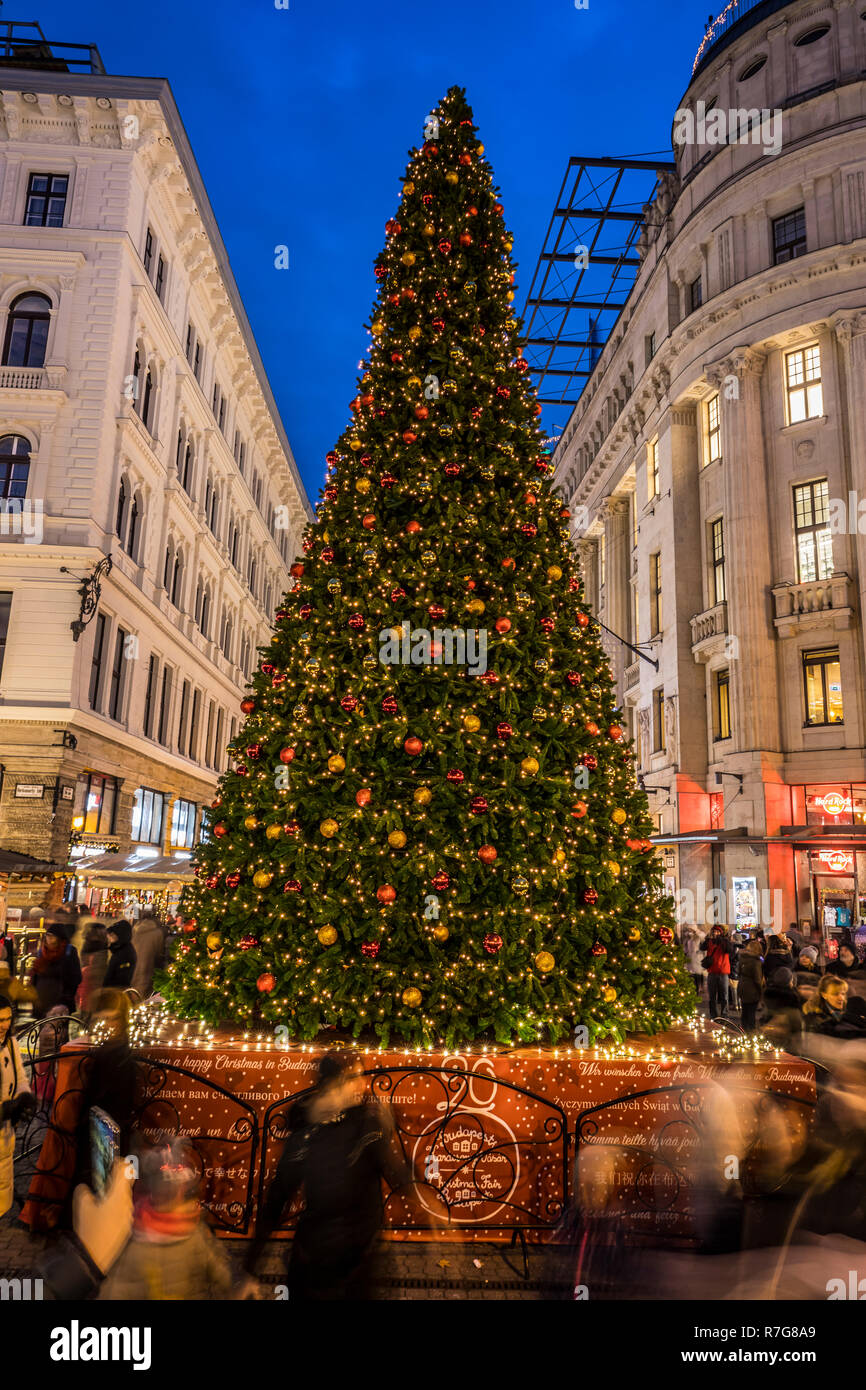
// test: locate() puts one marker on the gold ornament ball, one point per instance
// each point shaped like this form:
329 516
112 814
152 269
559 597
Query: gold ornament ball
544 962
262 878
530 766
377 327
273 832
559 856
613 868
414 333
251 823
472 723
441 933
396 839
327 935
214 941
336 763
608 994
329 828
634 934
411 997
618 816
476 605
451 177
423 796
362 485
554 572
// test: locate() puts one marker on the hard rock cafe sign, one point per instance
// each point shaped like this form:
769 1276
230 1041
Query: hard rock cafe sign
834 803
836 860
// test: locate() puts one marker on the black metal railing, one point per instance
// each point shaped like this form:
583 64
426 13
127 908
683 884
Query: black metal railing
23 45
718 31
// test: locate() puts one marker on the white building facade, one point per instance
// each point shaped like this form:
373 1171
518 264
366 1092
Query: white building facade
136 422
714 465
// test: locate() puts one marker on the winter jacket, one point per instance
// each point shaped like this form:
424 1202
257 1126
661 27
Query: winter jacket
718 952
777 960
121 964
751 978
191 1268
57 983
783 1016
149 945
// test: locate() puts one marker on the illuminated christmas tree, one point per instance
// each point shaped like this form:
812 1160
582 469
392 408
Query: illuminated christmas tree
432 831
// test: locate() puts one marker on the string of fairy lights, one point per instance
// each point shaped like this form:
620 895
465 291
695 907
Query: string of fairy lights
401 847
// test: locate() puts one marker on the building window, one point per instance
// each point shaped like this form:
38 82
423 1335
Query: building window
659 720
714 430
195 715
14 468
823 686
5 610
148 811
183 824
147 400
27 331
209 731
184 713
186 475
655 563
789 236
723 705
242 458
118 672
46 200
812 530
177 578
149 246
650 347
190 343
150 693
196 363
159 282
96 660
717 540
219 751
803 381
602 564
696 295
652 468
164 706
95 804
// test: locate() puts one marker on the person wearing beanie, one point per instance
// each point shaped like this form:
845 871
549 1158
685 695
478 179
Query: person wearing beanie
122 958
56 972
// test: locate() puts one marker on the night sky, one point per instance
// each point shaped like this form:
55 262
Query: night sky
301 120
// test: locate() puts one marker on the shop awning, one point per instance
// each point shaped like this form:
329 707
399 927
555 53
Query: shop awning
13 862
125 869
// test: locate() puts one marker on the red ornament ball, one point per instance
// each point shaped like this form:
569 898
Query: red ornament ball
220 830
440 881
357 622
413 527
212 880
266 982
590 761
233 879
615 732
574 677
386 894
478 805
413 746
504 730
503 625
583 620
363 796
292 885
666 936
370 949
455 774
493 943
348 703
591 727
528 530
248 943
248 705
590 895
579 810
488 853
389 704
190 926
286 755
598 949
291 827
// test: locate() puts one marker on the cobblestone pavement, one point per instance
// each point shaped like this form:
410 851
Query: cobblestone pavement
419 1270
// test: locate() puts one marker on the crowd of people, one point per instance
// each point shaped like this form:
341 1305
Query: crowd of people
778 984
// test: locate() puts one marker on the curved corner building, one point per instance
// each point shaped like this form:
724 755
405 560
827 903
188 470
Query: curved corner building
716 468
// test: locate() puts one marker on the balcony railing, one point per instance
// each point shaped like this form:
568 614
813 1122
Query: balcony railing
817 603
32 378
632 676
717 32
708 626
23 45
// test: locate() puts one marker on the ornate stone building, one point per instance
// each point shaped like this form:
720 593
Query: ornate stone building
136 423
714 464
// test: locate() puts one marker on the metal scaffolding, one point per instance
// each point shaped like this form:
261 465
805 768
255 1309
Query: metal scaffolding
586 268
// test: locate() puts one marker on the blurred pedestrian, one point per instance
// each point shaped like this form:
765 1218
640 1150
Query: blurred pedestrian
121 963
172 1254
148 940
16 1101
751 983
717 963
848 963
94 963
7 949
828 1011
338 1152
783 1015
779 955
56 972
692 950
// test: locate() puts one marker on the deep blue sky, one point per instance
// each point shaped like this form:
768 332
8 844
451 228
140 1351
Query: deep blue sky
301 120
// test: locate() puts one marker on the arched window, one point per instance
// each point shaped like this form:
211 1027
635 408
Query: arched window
204 620
178 461
177 579
213 511
227 637
14 466
27 331
244 659
186 475
267 598
168 567
148 399
131 541
208 494
122 510
251 574
136 381
233 543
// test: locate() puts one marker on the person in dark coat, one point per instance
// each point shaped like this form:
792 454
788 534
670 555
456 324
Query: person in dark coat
56 972
779 955
148 940
338 1152
783 1016
121 963
847 964
751 983
109 1076
94 963
829 1012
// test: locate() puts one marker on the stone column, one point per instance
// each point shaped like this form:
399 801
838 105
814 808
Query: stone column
615 511
587 553
748 571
